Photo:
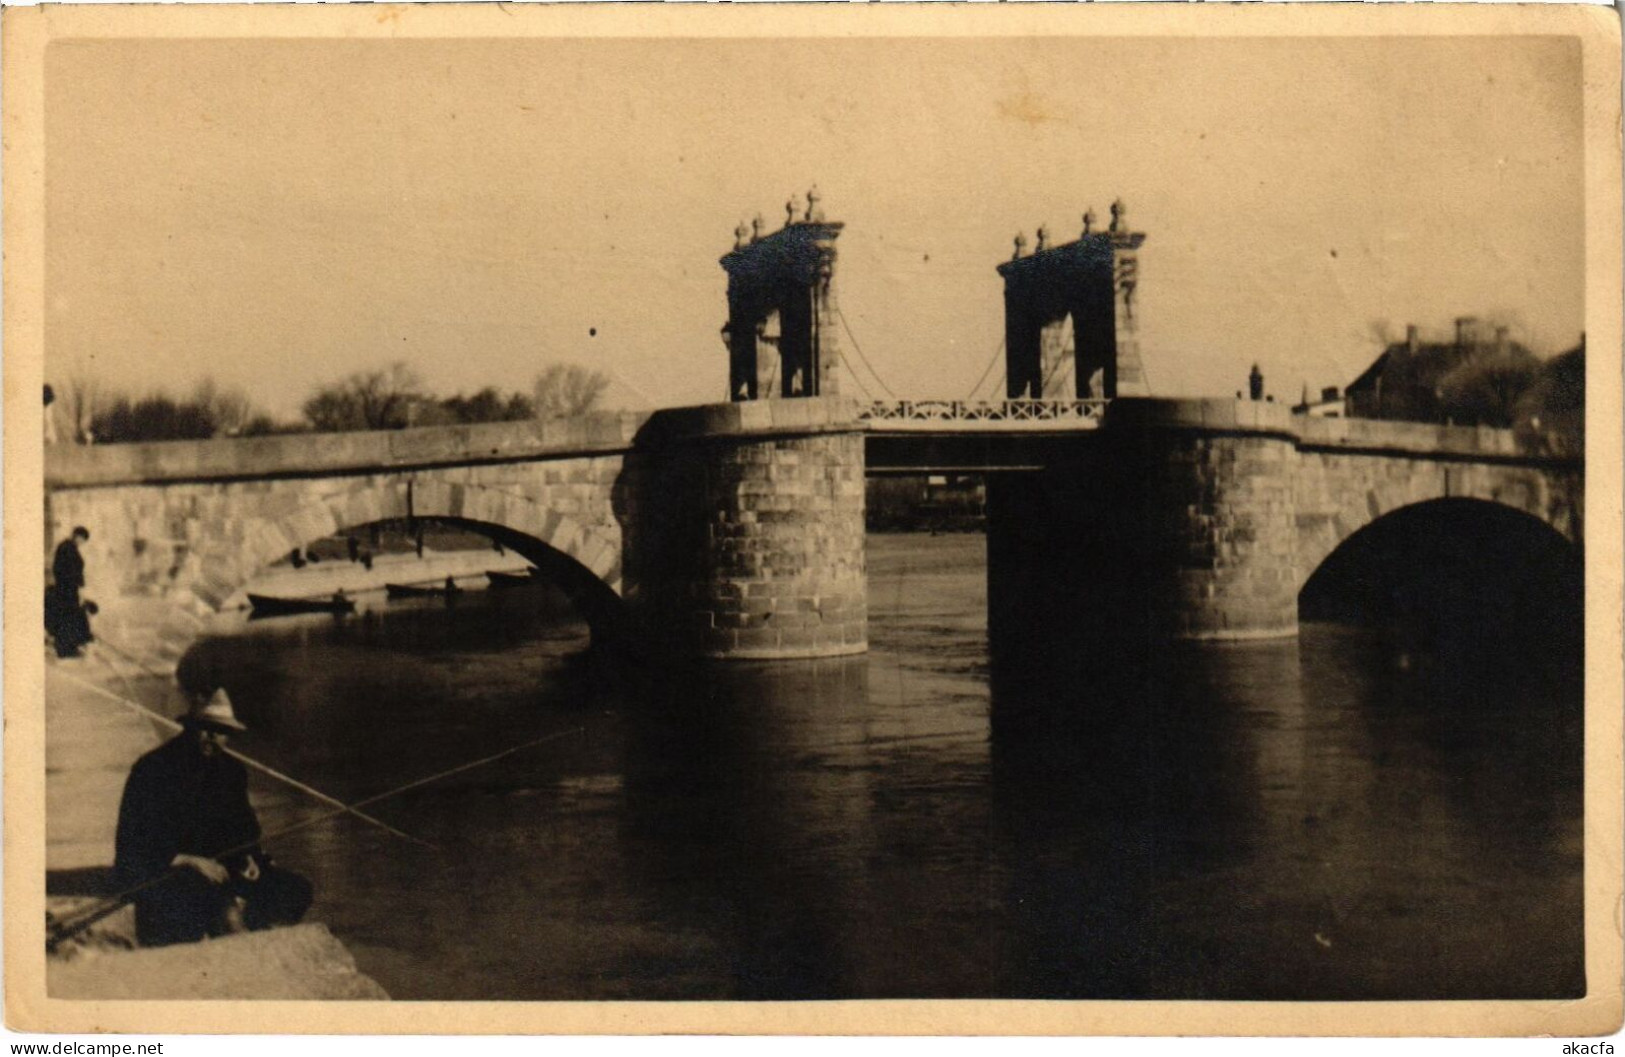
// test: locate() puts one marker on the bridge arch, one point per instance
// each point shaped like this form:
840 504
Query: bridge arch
1341 499
584 558
1469 575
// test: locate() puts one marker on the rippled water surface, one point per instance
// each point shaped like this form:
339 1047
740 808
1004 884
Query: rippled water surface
1333 817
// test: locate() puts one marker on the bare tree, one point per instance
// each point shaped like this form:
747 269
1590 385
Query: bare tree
488 405
81 400
1551 412
565 389
228 410
377 399
1485 388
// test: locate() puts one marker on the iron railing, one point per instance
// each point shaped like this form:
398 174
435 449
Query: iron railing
995 413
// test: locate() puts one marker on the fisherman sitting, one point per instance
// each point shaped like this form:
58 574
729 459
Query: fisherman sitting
188 839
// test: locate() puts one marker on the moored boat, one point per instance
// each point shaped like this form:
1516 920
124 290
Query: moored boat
500 580
416 591
266 606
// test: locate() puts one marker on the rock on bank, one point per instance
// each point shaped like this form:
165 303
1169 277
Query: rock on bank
301 962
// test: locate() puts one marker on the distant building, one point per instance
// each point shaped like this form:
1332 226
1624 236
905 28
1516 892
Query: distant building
1328 405
920 502
1414 381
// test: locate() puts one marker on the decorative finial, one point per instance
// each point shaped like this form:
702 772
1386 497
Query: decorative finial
1043 239
812 205
1089 221
790 211
1119 211
756 228
740 234
1021 246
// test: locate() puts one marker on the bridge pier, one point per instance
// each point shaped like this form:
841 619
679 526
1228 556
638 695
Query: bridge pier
1177 522
746 538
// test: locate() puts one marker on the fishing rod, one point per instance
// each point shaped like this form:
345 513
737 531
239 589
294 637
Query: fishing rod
65 931
93 648
248 760
251 762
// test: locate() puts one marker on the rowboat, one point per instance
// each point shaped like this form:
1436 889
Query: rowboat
265 606
414 591
500 581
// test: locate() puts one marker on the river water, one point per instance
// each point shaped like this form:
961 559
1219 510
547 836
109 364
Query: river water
1332 817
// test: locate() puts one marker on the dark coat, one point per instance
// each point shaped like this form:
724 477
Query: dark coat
68 567
178 800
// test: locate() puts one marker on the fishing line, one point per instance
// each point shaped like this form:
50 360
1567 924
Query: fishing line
251 762
66 931
115 669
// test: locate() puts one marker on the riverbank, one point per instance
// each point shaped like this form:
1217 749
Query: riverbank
93 734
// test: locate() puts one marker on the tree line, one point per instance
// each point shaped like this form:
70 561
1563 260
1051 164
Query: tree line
392 397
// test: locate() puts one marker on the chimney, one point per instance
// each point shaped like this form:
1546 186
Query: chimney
1413 338
1466 331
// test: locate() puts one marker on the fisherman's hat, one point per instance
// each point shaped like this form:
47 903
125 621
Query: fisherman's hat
214 712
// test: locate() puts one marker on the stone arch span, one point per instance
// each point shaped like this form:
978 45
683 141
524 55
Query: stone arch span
1339 495
157 613
1470 575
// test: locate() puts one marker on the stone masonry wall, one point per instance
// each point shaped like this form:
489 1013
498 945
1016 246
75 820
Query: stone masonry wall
1337 493
1219 510
161 560
753 548
730 530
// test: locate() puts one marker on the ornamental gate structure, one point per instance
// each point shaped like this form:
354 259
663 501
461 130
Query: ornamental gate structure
1069 323
781 307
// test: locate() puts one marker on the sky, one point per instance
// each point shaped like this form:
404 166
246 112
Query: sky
278 214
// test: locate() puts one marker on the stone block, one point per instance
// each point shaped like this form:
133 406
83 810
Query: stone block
759 638
267 543
431 498
805 639
597 554
752 415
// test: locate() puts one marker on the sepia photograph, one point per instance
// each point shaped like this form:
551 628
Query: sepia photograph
675 519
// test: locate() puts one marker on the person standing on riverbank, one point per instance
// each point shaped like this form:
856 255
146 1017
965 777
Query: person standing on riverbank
66 618
187 832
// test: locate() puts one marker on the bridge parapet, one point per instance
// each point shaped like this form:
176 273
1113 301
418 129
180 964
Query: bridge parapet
311 454
1416 438
1421 440
317 454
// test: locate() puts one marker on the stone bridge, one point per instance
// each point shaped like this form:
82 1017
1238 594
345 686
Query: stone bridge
733 530
737 530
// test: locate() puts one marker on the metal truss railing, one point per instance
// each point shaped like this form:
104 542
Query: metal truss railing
995 413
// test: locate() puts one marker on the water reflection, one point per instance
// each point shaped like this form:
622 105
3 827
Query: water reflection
1321 818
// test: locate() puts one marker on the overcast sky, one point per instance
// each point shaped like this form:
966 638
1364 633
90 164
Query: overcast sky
276 214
